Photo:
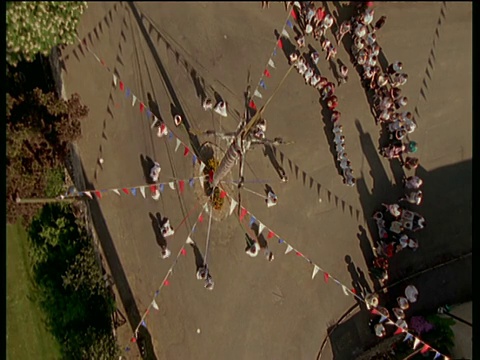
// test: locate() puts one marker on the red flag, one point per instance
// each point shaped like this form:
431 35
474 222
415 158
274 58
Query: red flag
425 348
325 277
142 106
280 43
153 189
294 15
222 194
183 252
298 253
398 331
210 176
166 282
98 193
102 62
186 151
125 190
181 185
121 85
252 105
270 235
133 339
266 73
243 213
353 290
375 312
200 218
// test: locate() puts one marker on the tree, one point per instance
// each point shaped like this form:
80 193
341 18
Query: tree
36 27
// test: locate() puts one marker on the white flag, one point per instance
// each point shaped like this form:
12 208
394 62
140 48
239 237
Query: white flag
345 291
285 33
178 144
416 342
172 185
437 355
383 318
116 191
289 248
155 120
88 194
142 190
134 98
202 166
114 79
154 304
271 63
233 205
260 228
257 94
408 337
189 241
316 269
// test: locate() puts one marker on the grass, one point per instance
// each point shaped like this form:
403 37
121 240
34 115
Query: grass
27 337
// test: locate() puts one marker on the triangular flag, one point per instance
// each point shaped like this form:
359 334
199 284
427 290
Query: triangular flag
416 342
383 318
116 191
149 113
155 120
171 184
200 218
121 86
161 187
271 63
170 134
266 73
166 282
98 193
243 212
437 355
285 33
127 92
270 234
153 189
425 348
398 331
252 105
222 194
178 144
210 176
262 84
345 290
134 99
408 337
189 241
298 253
142 191
316 269
294 15
202 166
275 51
181 185
280 43
252 220
125 190
88 194
183 252
233 205
133 191
194 159
186 151
281 241
257 94
144 324
325 277
133 339
289 23
155 305
260 228
191 182
289 248
114 79
142 107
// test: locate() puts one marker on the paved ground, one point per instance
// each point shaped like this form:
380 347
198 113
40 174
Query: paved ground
261 310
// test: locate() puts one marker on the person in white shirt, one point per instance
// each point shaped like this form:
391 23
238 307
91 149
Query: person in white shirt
166 229
413 197
155 171
413 182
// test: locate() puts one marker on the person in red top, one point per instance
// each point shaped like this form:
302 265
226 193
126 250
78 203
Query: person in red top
320 14
332 102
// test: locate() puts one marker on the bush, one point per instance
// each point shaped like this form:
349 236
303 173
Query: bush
69 287
36 27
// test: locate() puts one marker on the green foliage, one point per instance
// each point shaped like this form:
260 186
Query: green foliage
55 182
69 285
442 336
36 27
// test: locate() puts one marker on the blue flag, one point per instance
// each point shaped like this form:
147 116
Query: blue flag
127 92
289 23
194 159
252 220
262 84
133 191
191 181
161 187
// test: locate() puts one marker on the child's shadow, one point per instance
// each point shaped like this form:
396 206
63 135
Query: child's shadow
147 164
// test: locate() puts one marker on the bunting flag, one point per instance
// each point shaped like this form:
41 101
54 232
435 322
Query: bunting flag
383 318
289 23
416 343
181 185
189 241
398 331
260 228
127 92
114 80
155 305
262 84
191 181
170 134
222 194
281 241
194 159
252 105
88 194
161 187
275 52
289 248
133 191
142 191
298 253
142 107
316 269
408 337
267 73
252 221
202 166
425 348
134 99
271 63
133 339
116 191
270 234
183 252
257 94
325 277
437 355
98 193
279 44
285 33
178 144
345 290
121 86
186 151
144 324
243 212
233 205
155 120
149 113
125 190
294 15
171 184
166 282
